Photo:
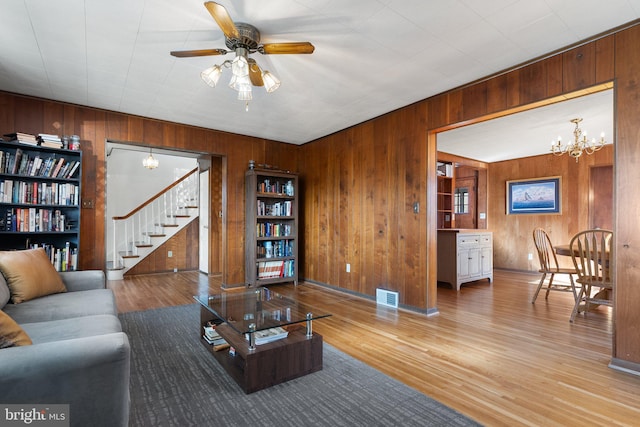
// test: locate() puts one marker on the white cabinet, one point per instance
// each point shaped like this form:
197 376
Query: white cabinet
464 256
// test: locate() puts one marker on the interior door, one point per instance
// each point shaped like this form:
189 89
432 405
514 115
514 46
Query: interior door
601 197
204 223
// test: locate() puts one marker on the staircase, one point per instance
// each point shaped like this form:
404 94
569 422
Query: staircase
139 233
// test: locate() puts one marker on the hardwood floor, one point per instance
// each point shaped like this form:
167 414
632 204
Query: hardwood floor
489 354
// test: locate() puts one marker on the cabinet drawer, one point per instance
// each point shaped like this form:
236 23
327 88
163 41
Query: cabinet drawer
470 241
486 240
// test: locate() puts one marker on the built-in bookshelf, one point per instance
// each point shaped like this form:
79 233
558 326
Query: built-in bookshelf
40 199
271 251
445 190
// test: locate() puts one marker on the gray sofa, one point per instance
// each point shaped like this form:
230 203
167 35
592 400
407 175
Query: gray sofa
79 355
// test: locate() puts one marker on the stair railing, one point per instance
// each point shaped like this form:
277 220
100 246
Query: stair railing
150 218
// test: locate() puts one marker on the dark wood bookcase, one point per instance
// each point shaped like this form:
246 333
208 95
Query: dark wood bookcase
271 241
40 191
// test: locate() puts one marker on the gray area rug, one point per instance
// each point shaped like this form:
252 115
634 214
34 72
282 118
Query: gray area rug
175 381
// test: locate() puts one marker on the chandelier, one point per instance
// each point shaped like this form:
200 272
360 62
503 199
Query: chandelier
579 145
150 162
243 71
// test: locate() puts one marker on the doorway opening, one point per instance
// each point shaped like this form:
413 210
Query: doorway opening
479 141
129 186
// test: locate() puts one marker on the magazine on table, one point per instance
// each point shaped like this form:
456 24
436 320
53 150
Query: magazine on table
269 335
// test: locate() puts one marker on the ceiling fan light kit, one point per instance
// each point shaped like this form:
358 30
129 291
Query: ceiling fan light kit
242 39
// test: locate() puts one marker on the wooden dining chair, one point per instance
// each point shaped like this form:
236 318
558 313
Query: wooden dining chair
591 254
549 266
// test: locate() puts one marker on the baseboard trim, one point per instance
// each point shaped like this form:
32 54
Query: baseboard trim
625 366
233 286
428 311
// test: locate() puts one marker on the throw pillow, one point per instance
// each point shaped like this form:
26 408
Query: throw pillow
29 274
11 334
5 294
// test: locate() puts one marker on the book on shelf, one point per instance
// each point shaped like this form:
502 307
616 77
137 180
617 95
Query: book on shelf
24 138
274 209
269 335
212 337
270 269
15 162
73 169
49 144
63 259
210 332
39 193
49 140
49 137
276 187
214 342
22 163
34 220
56 170
268 229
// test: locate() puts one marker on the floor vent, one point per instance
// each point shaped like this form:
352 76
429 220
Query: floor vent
388 298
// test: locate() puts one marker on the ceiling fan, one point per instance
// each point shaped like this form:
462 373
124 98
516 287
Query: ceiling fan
242 39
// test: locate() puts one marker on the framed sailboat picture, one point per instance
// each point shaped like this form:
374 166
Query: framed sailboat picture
534 196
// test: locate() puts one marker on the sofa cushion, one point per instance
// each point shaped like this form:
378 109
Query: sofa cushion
64 306
66 329
5 294
29 274
11 334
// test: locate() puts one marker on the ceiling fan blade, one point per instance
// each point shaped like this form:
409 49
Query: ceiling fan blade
255 73
286 48
223 19
202 52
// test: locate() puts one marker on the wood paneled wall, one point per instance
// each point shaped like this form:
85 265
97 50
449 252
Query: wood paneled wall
215 218
359 185
26 114
627 179
358 191
512 241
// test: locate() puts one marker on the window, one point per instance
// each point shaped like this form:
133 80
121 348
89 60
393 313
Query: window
461 200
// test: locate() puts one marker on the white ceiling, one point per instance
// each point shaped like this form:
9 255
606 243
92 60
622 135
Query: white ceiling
371 57
530 133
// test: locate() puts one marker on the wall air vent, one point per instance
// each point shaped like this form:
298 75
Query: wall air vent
388 298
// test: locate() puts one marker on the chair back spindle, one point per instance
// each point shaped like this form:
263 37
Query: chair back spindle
549 266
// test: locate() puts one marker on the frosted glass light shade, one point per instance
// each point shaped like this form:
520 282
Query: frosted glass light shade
240 66
271 82
240 83
211 75
245 94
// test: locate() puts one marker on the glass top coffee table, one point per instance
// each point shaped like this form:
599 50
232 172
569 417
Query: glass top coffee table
270 336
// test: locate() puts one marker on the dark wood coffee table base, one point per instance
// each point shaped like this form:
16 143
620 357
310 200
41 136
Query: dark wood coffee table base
269 364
